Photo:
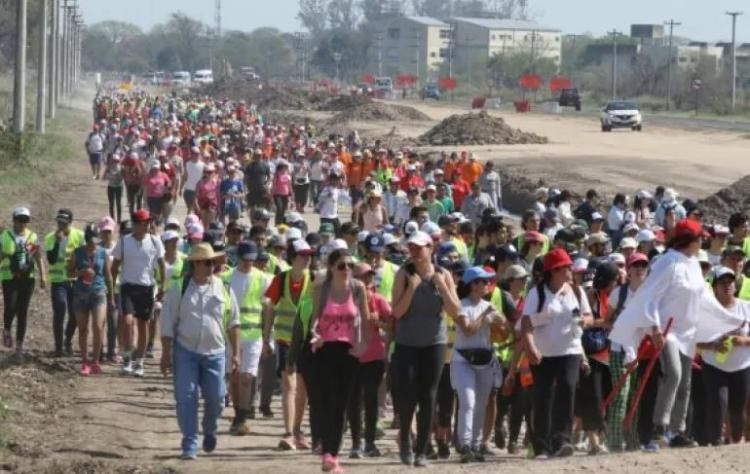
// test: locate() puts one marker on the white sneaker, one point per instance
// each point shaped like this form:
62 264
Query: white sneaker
138 369
127 368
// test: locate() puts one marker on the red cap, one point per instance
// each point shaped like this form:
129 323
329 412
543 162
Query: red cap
492 283
637 257
141 215
688 227
556 258
533 236
660 235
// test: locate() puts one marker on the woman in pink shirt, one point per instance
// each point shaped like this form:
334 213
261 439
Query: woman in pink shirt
370 370
207 194
281 189
341 329
157 187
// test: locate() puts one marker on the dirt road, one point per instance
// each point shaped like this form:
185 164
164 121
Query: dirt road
110 423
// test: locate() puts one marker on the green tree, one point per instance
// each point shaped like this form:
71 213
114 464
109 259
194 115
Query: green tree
313 14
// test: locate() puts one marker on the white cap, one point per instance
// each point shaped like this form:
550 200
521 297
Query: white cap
339 244
646 235
169 235
301 247
580 265
411 227
389 239
430 228
173 221
362 236
617 258
597 216
703 256
411 168
431 187
420 238
628 243
292 234
439 171
21 212
630 227
292 217
721 271
460 217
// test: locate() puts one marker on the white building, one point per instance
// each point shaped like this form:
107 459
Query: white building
412 45
687 56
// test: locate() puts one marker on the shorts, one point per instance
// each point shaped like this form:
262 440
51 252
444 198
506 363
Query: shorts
155 204
250 356
88 300
137 300
95 159
281 352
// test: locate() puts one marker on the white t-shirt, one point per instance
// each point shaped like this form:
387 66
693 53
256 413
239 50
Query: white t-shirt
138 259
481 338
317 170
241 281
739 357
328 201
556 332
194 171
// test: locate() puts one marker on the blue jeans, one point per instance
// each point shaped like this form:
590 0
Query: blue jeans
62 302
191 372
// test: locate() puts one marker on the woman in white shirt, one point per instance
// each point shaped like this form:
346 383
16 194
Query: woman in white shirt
474 367
553 320
726 364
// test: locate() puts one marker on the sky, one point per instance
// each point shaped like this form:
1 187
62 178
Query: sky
701 20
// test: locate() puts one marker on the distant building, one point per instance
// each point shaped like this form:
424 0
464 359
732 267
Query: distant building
601 53
412 45
479 39
687 56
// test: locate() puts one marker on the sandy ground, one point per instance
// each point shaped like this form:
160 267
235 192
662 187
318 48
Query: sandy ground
117 423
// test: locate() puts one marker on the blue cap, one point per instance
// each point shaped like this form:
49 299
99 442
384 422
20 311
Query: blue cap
247 250
459 266
375 243
446 247
474 273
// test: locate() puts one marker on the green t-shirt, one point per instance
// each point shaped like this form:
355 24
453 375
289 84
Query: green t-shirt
435 210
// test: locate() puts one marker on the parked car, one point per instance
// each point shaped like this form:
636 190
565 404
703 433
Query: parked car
203 76
181 78
249 74
431 91
621 114
570 98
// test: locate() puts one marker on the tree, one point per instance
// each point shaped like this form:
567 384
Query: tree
343 15
314 15
434 8
375 10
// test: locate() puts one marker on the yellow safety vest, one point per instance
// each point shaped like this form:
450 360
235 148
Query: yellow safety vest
251 306
545 245
58 273
8 248
274 262
177 271
286 310
503 349
461 247
387 277
744 293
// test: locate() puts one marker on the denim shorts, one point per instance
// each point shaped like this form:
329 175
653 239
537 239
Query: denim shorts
87 300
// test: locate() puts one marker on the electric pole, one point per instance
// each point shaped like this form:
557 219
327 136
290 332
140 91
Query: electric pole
52 77
671 24
614 34
65 47
41 88
734 16
19 87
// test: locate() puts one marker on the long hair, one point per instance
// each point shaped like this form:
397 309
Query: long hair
682 241
334 257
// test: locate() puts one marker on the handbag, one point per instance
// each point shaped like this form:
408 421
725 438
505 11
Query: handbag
595 340
477 356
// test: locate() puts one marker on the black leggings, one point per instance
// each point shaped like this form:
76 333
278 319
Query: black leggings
516 406
590 395
335 373
300 196
367 380
648 401
114 196
281 203
135 196
445 398
417 371
555 380
308 369
16 299
733 403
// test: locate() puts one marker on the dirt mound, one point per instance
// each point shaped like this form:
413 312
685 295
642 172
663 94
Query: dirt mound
392 139
477 129
378 111
734 198
344 102
264 96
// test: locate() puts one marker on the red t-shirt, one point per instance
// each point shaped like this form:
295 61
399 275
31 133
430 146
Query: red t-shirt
379 310
274 291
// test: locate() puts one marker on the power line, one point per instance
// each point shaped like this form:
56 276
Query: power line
734 16
671 24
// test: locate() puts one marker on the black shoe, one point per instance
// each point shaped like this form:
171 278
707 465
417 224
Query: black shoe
444 451
58 353
478 455
467 455
371 451
251 413
421 461
150 351
565 451
405 453
681 441
431 453
266 412
69 348
500 437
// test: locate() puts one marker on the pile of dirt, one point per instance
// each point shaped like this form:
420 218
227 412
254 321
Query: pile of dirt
392 139
263 95
344 102
478 129
725 202
378 112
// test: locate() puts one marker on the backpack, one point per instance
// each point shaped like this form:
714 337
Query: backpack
96 144
21 262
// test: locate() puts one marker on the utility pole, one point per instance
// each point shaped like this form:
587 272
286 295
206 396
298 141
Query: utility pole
451 30
614 34
19 87
380 53
52 86
41 88
671 24
65 47
734 16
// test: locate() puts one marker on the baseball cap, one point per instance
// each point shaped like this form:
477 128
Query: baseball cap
140 215
645 235
172 223
533 236
168 235
617 258
580 265
106 223
630 227
476 273
292 217
326 228
506 252
460 217
195 231
292 234
21 212
446 247
410 228
637 257
514 272
431 228
375 243
389 239
721 271
261 215
597 238
597 216
446 219
431 187
732 249
301 247
247 250
64 215
420 238
628 243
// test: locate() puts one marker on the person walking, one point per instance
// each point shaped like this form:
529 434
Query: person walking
196 315
136 258
20 252
93 289
113 175
281 189
59 246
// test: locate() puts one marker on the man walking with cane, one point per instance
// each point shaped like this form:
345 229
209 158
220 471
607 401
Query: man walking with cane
195 317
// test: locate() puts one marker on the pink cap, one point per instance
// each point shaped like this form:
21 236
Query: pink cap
106 223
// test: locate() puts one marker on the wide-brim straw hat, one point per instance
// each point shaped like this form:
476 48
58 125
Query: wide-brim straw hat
204 251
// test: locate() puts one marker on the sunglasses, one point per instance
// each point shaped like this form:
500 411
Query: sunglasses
344 265
22 220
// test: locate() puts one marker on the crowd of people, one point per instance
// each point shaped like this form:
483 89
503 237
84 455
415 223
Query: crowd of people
594 327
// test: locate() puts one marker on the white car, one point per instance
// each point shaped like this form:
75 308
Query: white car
203 76
621 114
181 78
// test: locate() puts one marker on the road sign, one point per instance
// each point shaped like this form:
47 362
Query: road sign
447 83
